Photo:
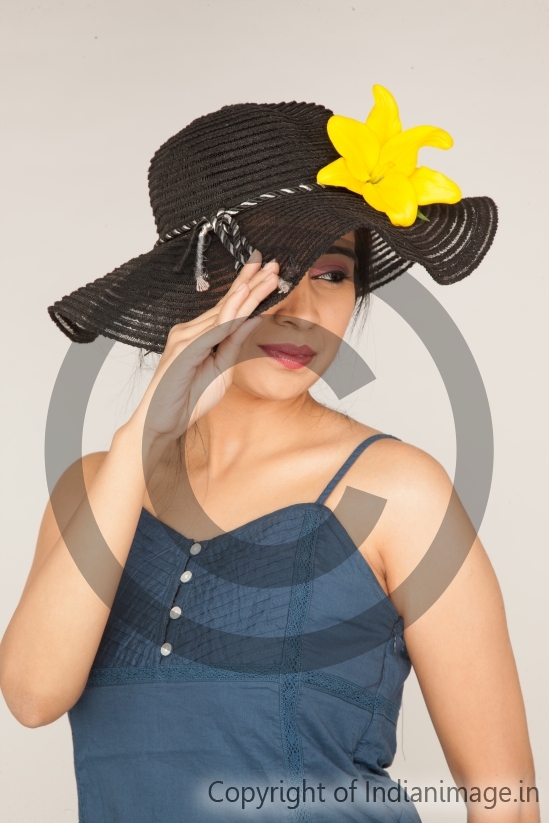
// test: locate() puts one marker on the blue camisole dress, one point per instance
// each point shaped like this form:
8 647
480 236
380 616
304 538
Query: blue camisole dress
255 676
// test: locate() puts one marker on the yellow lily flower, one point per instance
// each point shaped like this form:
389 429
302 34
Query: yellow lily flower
379 161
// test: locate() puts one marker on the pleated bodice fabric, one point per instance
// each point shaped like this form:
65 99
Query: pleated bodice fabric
263 663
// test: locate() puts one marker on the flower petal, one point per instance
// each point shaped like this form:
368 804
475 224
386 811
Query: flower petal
399 153
338 174
371 194
384 119
397 196
434 187
356 142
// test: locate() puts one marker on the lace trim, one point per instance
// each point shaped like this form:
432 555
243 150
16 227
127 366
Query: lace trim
345 690
328 683
290 684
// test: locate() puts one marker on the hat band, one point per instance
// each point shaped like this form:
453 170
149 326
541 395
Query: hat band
227 229
301 188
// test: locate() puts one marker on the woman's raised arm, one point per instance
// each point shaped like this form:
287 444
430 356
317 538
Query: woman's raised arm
50 644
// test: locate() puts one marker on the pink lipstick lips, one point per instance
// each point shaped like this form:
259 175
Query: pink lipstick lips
289 355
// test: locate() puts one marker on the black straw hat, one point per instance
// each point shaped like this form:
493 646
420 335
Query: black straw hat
244 177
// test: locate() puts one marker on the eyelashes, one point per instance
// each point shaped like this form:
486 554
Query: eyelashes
334 276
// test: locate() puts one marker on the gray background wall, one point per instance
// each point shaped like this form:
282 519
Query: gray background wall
90 90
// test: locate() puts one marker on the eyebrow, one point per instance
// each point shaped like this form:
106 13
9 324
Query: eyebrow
341 250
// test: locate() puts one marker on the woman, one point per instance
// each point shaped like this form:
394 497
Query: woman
240 647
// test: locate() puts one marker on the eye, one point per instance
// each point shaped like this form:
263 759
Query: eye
335 276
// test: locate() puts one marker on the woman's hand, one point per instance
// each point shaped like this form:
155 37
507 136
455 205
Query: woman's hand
191 378
44 666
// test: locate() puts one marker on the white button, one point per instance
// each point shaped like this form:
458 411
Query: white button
175 612
186 576
196 548
165 649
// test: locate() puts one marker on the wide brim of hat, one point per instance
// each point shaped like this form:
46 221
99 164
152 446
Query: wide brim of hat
140 301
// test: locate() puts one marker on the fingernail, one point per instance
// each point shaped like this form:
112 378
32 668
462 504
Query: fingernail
270 264
255 257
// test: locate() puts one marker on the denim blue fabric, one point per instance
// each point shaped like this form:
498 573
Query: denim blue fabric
279 698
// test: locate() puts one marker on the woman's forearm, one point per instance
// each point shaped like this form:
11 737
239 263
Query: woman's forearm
502 799
51 641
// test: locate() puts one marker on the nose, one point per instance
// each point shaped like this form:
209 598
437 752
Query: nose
298 308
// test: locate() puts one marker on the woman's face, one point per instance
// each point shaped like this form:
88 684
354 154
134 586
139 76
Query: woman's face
299 337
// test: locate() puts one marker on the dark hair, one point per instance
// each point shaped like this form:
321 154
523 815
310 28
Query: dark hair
363 246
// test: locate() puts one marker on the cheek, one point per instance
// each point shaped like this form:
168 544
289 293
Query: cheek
335 310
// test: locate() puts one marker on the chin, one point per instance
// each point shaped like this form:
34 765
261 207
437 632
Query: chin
269 381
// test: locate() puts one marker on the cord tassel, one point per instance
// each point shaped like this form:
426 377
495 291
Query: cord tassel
227 229
178 266
200 273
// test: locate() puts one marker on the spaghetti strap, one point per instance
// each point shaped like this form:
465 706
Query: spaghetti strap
349 462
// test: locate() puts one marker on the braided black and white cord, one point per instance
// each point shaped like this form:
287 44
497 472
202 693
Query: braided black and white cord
227 229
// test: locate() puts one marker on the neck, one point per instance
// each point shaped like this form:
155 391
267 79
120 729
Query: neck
242 423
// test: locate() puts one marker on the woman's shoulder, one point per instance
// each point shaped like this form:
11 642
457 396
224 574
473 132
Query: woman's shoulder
415 491
412 482
387 459
397 468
